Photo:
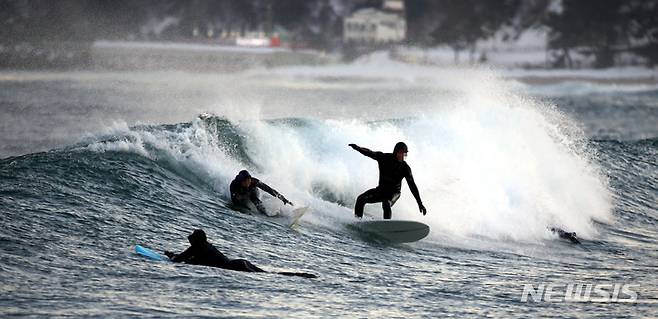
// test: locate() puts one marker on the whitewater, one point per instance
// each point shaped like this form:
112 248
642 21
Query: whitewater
95 163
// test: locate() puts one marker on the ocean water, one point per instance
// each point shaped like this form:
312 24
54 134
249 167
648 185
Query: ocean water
95 163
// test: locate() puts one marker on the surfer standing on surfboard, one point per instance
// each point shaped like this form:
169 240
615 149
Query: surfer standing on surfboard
244 192
392 169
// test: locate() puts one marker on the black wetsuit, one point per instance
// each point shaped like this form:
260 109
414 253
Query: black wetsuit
207 255
242 196
391 173
201 252
571 236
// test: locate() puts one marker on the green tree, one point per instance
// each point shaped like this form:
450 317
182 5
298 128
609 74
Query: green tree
591 26
642 17
461 23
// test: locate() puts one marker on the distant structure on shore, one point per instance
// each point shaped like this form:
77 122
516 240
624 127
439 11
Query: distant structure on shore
372 26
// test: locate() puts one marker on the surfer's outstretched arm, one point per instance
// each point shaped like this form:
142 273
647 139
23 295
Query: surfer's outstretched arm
366 152
182 257
414 190
273 192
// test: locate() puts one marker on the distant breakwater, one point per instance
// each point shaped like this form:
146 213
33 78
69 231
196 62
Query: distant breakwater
106 55
150 56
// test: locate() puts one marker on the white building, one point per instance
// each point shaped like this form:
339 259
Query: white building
393 5
372 26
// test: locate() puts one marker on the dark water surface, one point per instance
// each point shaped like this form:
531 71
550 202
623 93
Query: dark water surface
96 163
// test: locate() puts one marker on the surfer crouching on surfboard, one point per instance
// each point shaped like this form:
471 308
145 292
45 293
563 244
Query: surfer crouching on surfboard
244 192
201 252
392 169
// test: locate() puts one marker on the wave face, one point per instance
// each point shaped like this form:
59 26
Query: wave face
495 168
500 171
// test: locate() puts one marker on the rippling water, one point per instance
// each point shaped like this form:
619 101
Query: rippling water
95 163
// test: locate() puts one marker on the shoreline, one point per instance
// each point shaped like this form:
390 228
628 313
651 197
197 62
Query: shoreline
548 80
619 76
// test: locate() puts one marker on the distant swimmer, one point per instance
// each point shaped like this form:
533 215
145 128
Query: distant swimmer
392 169
244 192
201 252
571 236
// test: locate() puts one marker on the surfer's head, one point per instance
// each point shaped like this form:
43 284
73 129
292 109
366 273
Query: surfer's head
400 151
197 237
244 178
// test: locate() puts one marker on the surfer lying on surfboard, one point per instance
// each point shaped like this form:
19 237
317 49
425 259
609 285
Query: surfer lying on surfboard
201 252
392 169
244 192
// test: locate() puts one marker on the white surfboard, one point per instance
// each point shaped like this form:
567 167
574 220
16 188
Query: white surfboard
396 231
297 215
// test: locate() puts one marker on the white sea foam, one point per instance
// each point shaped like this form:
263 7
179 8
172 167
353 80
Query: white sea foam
488 161
498 169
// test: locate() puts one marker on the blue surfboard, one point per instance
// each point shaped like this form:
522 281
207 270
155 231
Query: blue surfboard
148 253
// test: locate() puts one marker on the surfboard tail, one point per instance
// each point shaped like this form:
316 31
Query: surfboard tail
297 274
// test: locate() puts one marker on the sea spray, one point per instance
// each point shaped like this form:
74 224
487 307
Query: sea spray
493 170
488 160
